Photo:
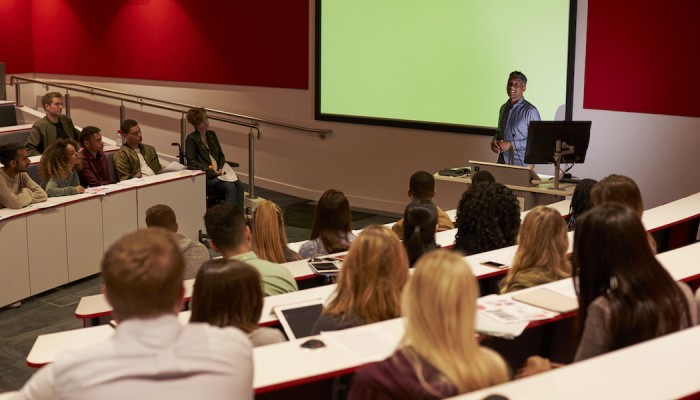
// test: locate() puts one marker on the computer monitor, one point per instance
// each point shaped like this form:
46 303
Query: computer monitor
543 135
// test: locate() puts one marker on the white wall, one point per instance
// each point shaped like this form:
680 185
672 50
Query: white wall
372 164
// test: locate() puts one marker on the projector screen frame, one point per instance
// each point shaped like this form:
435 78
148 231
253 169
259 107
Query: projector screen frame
435 126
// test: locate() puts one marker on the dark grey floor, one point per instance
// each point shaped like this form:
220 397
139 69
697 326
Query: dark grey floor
54 310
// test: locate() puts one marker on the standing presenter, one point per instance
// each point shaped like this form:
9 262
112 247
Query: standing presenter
513 122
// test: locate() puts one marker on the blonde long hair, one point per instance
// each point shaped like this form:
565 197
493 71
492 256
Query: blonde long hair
269 239
372 277
439 304
543 242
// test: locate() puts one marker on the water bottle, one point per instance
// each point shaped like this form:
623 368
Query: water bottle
119 138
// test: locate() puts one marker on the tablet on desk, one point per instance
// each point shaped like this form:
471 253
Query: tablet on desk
298 319
325 265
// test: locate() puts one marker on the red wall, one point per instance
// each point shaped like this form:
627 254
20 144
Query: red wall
258 43
16 33
643 56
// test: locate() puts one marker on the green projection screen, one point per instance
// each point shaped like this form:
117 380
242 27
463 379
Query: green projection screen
440 64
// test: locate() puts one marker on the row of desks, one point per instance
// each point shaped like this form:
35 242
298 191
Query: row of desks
681 211
49 244
333 360
91 308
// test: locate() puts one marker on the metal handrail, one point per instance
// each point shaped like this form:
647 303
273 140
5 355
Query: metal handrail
167 105
320 132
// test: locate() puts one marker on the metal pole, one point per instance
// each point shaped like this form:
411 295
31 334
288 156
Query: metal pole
3 93
183 136
251 164
66 102
122 115
18 101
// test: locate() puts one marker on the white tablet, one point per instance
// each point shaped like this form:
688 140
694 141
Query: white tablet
298 319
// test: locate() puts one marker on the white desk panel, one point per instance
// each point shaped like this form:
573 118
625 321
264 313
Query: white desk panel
186 196
48 255
84 238
14 268
118 216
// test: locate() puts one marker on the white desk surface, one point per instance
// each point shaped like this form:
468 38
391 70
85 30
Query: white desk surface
97 306
566 189
672 213
663 368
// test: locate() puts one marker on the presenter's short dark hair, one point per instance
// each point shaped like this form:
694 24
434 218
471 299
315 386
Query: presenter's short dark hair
518 75
225 226
422 185
126 126
8 152
87 133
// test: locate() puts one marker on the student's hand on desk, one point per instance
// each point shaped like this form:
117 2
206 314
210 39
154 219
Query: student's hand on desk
534 365
79 189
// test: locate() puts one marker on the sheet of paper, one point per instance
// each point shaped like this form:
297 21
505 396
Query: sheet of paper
228 174
172 167
504 310
368 343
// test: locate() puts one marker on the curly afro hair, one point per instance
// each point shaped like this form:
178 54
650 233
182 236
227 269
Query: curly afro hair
488 218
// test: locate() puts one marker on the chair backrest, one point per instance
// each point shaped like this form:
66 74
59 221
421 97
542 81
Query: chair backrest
8 116
19 136
110 165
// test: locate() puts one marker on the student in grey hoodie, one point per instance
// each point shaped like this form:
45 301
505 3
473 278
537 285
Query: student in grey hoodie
194 253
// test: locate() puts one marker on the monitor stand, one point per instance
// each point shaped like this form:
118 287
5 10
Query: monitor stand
558 154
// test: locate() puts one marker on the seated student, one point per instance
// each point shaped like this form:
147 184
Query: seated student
53 126
193 253
541 255
369 283
229 293
331 231
226 226
439 355
95 168
58 165
483 176
420 222
581 201
269 238
135 159
488 218
422 186
620 189
625 295
151 354
17 189
205 154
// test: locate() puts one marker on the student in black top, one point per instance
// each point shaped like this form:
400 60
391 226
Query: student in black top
204 153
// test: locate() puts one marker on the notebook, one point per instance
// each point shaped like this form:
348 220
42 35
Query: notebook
548 299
